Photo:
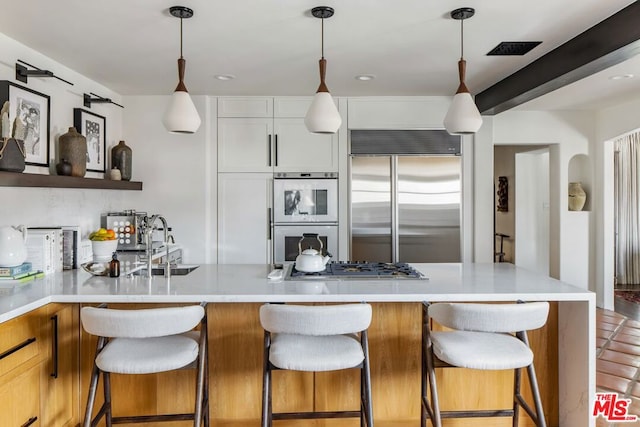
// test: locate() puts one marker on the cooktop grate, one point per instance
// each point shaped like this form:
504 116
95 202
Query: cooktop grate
357 269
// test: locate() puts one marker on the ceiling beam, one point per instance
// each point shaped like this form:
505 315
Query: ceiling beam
608 43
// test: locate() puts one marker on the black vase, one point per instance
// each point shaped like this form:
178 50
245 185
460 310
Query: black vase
64 168
121 159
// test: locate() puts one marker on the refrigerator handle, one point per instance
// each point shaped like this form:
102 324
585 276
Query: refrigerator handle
269 152
394 210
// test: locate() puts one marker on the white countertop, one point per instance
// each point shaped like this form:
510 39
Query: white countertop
249 283
446 282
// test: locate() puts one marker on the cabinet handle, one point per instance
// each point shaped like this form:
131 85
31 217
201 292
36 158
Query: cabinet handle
18 347
30 421
276 150
269 151
54 319
268 223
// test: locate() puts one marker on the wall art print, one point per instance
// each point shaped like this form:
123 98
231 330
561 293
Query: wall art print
93 127
29 118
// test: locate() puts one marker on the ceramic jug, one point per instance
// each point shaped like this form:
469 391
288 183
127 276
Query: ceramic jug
73 147
13 246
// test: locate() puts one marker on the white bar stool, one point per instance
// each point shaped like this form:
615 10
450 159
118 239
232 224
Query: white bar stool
487 337
144 342
316 338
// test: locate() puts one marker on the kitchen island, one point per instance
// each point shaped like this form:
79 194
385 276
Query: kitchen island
396 327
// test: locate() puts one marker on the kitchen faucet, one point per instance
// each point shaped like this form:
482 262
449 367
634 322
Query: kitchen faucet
149 240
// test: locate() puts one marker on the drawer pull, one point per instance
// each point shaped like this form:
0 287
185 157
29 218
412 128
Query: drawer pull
30 421
54 320
18 347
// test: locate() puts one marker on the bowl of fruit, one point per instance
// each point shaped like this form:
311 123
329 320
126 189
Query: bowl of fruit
103 244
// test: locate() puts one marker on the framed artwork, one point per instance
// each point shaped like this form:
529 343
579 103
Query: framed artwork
29 116
93 127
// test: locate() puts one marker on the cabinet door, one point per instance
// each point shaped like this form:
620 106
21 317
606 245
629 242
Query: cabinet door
20 400
244 216
60 368
245 145
298 150
252 106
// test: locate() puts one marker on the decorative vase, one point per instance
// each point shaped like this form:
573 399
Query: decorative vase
115 174
121 159
577 196
64 168
73 147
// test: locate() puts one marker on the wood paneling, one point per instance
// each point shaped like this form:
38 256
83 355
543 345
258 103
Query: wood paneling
60 399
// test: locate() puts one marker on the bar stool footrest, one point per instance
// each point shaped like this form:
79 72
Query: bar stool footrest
477 414
152 418
315 415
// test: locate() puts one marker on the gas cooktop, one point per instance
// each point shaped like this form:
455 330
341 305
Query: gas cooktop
358 270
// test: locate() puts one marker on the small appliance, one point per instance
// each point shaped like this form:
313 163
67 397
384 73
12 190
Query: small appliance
129 228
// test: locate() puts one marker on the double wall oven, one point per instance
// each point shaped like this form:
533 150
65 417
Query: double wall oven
304 203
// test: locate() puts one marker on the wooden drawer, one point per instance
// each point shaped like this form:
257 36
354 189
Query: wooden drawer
20 400
19 341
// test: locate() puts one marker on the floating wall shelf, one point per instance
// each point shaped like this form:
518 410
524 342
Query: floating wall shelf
14 179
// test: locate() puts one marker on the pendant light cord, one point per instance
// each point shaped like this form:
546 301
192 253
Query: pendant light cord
180 37
322 37
462 38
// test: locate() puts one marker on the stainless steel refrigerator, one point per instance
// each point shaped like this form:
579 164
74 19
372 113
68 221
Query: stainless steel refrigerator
405 193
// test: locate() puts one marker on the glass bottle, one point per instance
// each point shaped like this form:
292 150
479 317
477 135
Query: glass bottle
114 266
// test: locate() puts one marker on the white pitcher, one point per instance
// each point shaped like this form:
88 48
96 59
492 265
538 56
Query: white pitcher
13 245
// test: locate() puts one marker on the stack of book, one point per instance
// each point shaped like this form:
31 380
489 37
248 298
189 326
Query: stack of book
18 274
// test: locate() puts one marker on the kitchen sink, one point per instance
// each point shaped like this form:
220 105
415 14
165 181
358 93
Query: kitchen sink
177 270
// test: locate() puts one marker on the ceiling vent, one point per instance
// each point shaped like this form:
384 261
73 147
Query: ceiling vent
512 48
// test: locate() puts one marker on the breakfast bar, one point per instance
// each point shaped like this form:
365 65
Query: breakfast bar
234 293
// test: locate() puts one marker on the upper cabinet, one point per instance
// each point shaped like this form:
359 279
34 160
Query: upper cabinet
259 134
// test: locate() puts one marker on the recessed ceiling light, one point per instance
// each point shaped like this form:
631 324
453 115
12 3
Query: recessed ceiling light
365 77
621 77
225 77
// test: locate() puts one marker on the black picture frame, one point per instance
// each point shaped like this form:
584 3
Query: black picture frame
93 127
29 115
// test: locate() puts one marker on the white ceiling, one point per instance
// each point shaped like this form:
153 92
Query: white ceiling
273 47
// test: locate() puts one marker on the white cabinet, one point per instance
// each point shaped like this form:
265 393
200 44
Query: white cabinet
268 135
244 218
245 145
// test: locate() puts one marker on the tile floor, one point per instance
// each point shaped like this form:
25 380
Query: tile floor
618 360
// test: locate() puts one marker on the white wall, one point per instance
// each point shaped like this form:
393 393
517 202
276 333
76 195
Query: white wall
47 207
567 133
178 172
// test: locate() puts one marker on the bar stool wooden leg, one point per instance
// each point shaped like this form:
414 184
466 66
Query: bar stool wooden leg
367 379
202 357
106 378
266 383
93 387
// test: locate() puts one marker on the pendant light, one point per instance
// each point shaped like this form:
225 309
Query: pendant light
463 116
323 115
181 115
